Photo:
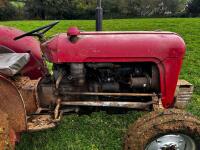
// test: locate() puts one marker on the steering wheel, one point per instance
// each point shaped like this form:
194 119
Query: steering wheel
39 32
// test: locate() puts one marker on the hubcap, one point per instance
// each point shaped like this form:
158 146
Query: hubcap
172 142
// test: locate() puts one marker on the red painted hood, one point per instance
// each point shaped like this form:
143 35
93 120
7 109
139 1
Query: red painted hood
114 47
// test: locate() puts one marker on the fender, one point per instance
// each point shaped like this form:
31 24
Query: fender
35 68
13 105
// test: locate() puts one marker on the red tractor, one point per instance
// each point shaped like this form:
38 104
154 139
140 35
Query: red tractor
133 70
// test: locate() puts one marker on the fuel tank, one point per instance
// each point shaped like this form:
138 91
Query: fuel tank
34 69
165 49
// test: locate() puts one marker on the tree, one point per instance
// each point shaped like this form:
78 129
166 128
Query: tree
2 3
60 9
154 8
193 8
7 10
85 9
35 9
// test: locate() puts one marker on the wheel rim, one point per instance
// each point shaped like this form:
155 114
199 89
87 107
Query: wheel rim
172 142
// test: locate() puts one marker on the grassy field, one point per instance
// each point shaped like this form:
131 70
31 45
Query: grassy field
100 131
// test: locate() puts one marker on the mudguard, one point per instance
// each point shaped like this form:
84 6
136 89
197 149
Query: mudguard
13 105
35 68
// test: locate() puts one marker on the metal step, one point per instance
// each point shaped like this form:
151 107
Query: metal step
40 122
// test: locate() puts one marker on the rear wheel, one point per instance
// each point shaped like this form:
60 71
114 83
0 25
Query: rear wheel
7 135
164 130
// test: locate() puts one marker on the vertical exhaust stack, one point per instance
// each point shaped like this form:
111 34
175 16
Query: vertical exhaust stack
99 16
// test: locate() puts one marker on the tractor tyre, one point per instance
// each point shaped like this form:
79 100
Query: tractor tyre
164 130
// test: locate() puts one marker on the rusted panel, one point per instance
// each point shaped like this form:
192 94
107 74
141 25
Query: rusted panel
28 91
111 94
135 105
11 102
45 95
184 91
4 130
7 135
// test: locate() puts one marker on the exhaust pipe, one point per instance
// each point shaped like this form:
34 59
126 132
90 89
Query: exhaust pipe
99 16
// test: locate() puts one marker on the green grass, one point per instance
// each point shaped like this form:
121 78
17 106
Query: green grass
100 131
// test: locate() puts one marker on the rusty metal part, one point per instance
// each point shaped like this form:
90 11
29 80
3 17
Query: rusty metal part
4 131
40 122
45 94
56 111
135 105
28 91
140 82
60 77
74 109
8 137
111 94
184 91
157 103
59 117
12 103
40 110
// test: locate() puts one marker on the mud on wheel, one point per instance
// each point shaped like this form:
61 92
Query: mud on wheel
7 135
164 130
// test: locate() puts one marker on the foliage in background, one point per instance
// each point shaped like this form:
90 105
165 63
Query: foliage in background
193 8
2 3
7 11
85 9
60 9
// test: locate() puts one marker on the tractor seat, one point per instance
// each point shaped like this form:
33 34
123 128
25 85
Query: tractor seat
12 63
